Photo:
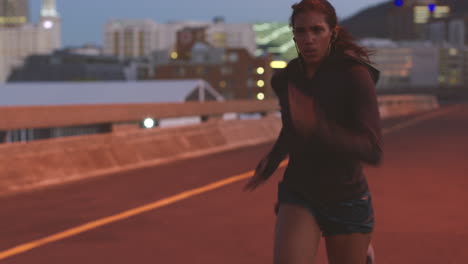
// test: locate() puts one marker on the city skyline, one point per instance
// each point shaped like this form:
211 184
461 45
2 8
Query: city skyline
78 29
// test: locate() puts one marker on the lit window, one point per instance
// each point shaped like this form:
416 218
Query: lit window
260 96
278 64
441 11
260 83
453 52
219 39
421 14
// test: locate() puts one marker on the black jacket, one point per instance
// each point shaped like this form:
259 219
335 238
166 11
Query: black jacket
327 165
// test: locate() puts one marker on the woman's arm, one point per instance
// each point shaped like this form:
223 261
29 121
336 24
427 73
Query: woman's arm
365 142
279 150
277 154
268 164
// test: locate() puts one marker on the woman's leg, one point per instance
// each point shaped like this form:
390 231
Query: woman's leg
297 235
348 248
370 255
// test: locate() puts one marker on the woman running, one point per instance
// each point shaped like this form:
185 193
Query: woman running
331 127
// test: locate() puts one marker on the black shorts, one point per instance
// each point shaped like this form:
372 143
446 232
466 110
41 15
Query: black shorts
352 216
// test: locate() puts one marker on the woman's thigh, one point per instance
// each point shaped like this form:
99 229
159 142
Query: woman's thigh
297 235
347 248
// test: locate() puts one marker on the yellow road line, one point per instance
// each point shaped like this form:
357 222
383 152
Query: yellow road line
173 199
123 215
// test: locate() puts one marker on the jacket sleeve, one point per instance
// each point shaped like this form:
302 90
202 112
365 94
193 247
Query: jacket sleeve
364 141
277 154
279 151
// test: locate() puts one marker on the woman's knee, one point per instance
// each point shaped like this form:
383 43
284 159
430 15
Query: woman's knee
348 248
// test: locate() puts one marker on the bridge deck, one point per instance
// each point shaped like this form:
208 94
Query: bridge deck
419 196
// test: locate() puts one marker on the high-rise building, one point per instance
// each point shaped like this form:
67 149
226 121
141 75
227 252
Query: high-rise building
437 32
130 38
404 64
18 42
418 64
452 30
13 12
135 38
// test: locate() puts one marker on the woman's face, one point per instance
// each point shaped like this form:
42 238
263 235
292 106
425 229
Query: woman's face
312 35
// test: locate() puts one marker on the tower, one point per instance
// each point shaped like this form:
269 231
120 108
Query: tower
49 9
23 38
50 25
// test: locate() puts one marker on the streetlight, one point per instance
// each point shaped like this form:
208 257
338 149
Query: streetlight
149 122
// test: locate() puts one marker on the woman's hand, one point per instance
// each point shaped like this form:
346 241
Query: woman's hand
259 176
303 113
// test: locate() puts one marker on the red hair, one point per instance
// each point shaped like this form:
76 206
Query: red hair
344 42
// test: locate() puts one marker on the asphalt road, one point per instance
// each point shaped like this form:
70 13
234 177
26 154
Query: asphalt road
419 194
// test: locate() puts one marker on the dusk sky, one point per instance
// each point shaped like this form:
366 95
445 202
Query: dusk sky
83 21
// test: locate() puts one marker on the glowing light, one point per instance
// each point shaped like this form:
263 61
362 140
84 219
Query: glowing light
148 123
453 52
174 55
260 70
432 7
421 14
48 24
278 64
12 20
260 83
260 96
273 35
441 11
398 2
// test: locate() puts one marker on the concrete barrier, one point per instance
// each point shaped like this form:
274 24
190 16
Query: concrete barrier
25 166
394 106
